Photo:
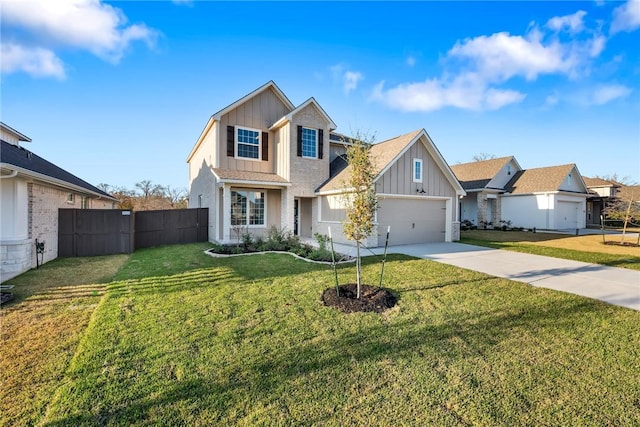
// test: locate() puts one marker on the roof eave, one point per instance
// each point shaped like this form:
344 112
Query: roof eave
56 181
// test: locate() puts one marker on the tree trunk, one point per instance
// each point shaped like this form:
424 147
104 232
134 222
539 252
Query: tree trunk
626 219
358 279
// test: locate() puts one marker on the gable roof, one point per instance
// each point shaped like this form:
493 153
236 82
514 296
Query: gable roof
18 135
269 85
217 115
311 101
599 182
474 175
27 163
384 154
539 180
629 192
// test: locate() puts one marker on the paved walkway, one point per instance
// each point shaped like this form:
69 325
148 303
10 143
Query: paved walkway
616 286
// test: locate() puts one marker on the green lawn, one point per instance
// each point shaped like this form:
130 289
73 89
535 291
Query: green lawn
589 248
247 341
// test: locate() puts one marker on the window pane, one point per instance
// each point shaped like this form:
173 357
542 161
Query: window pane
248 143
309 143
256 208
238 208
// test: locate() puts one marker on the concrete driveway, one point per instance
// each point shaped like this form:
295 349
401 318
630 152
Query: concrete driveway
616 286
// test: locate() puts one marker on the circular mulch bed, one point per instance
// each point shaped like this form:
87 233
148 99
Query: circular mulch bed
5 297
634 245
372 298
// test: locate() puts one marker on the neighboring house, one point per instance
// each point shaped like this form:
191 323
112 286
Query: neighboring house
264 162
601 192
32 191
500 190
484 181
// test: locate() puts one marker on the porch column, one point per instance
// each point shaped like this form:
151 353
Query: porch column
226 213
286 209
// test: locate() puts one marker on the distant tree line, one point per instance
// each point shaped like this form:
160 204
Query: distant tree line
147 196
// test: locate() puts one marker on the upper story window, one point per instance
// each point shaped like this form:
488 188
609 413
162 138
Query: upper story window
309 143
248 143
417 170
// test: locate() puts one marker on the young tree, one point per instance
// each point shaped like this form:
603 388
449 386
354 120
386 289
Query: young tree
361 199
625 208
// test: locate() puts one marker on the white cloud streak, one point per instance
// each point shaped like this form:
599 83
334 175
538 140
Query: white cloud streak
626 17
44 25
485 63
37 62
572 23
605 94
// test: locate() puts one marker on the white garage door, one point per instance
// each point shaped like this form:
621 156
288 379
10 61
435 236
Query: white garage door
412 221
567 215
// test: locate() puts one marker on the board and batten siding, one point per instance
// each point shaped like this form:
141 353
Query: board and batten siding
259 112
399 178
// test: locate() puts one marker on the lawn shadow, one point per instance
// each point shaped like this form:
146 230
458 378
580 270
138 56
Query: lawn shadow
263 380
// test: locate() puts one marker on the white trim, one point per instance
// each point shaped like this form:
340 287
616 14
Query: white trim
289 116
55 181
270 84
417 161
236 143
262 184
409 196
249 190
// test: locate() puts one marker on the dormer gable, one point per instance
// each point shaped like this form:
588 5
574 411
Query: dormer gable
12 136
310 106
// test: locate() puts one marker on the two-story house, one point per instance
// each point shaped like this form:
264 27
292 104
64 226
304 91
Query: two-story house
262 161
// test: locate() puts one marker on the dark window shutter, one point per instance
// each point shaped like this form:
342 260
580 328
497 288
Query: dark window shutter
231 140
265 146
320 142
299 141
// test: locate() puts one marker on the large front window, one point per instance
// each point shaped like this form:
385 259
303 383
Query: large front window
247 143
247 208
309 143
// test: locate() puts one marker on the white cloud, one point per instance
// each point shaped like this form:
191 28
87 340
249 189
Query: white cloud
348 78
604 94
78 24
573 23
502 56
351 79
476 68
466 91
411 60
36 62
626 17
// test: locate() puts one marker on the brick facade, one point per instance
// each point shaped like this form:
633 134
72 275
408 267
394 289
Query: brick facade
43 204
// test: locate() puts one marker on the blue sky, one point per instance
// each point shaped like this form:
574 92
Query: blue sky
118 92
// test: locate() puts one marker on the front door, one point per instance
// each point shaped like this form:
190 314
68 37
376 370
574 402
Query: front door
296 216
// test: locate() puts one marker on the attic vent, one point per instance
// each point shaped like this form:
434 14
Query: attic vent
28 154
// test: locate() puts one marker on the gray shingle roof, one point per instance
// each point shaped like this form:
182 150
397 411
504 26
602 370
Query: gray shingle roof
13 155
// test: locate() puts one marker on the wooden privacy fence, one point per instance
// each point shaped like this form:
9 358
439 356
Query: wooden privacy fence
168 227
93 232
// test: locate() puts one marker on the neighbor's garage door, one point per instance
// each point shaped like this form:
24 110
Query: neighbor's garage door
567 215
412 221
